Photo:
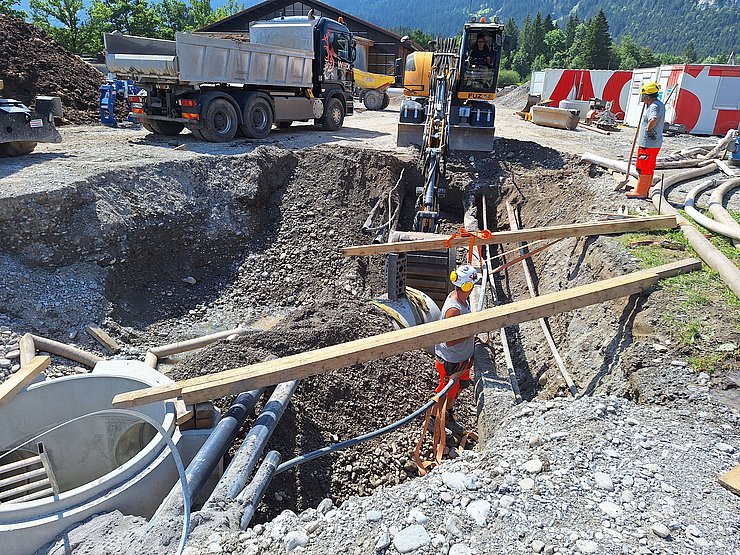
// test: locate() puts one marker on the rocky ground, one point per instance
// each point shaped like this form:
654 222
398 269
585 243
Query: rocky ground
160 245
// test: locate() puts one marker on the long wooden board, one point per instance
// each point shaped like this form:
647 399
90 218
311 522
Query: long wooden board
102 337
338 356
731 480
20 379
650 223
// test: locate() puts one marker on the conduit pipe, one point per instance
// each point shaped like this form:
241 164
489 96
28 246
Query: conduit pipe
213 450
66 351
250 451
300 459
717 209
253 493
197 343
733 232
729 273
721 145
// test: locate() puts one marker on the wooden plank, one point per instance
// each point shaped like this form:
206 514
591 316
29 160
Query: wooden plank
184 412
20 379
104 339
379 346
587 229
731 480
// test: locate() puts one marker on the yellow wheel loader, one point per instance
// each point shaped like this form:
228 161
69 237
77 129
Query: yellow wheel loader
372 89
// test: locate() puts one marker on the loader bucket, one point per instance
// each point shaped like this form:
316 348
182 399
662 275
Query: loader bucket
467 137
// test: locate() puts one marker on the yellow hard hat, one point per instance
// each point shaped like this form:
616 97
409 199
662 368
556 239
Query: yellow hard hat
650 88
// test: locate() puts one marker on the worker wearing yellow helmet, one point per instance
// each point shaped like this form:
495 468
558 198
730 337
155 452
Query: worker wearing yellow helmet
650 139
455 356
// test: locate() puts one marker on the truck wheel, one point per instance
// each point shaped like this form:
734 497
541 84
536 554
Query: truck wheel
221 122
333 116
257 122
196 133
283 124
16 148
386 101
373 100
148 126
167 127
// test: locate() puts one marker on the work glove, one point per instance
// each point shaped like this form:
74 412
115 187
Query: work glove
651 135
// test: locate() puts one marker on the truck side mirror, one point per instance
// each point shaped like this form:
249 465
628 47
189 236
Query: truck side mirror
508 43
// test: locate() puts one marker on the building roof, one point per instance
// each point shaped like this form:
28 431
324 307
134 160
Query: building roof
313 3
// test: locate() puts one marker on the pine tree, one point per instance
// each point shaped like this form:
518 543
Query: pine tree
689 54
511 29
538 37
570 29
548 24
598 42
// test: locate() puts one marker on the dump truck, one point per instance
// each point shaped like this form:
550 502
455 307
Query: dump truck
289 69
371 89
469 84
21 127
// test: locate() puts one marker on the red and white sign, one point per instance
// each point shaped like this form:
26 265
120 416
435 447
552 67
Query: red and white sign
704 98
584 84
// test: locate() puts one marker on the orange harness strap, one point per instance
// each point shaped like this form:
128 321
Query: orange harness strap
472 235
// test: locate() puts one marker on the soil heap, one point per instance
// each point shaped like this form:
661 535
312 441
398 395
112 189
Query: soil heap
32 63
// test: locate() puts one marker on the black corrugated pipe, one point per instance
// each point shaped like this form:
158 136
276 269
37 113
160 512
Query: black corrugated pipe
250 451
252 494
207 457
220 440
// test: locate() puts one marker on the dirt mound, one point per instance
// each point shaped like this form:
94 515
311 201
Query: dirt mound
513 97
32 63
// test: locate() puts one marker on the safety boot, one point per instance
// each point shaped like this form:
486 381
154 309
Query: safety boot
643 187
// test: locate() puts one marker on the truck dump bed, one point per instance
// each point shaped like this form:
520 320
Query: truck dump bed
200 58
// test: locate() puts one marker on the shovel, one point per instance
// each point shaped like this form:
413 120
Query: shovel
623 184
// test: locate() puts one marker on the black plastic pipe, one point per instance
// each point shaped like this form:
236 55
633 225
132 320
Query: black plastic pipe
300 459
253 493
245 460
223 435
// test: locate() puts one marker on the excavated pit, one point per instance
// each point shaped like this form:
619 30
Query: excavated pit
168 251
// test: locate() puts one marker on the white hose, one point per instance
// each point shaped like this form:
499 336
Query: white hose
709 223
168 440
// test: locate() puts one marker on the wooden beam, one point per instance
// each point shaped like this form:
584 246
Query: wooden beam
20 379
587 229
302 365
104 339
731 480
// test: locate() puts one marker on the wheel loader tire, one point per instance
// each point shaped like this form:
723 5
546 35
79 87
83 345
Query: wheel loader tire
16 148
333 117
169 128
257 120
221 121
373 100
386 101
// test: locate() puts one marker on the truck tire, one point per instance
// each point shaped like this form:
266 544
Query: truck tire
148 126
221 121
333 116
386 101
283 124
16 148
257 120
373 100
167 127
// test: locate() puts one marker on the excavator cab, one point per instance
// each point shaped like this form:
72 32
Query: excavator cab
479 64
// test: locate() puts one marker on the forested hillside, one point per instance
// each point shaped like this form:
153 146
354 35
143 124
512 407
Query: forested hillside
664 26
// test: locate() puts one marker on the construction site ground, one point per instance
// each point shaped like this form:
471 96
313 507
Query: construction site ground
158 239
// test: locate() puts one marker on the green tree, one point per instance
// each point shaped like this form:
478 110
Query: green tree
60 19
175 16
689 54
538 37
421 38
508 77
598 42
576 57
511 29
6 8
204 14
131 17
648 59
548 24
555 41
628 52
570 29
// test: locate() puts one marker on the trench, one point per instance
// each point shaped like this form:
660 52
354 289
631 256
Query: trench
259 236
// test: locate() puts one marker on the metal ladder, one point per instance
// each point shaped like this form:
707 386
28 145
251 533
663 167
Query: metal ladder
35 476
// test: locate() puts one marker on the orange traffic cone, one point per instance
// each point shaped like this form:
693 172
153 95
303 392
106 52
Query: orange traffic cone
643 187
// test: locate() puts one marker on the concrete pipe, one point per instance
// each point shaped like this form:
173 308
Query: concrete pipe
66 351
733 232
717 209
721 145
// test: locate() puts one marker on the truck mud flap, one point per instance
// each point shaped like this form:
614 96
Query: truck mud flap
476 139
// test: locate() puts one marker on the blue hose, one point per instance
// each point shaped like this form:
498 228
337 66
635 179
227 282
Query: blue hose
287 465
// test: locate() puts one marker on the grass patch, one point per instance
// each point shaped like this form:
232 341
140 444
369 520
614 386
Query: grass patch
709 363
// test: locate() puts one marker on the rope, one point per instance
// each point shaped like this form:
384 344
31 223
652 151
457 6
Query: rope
472 236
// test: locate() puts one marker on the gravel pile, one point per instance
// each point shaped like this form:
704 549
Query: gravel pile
595 475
